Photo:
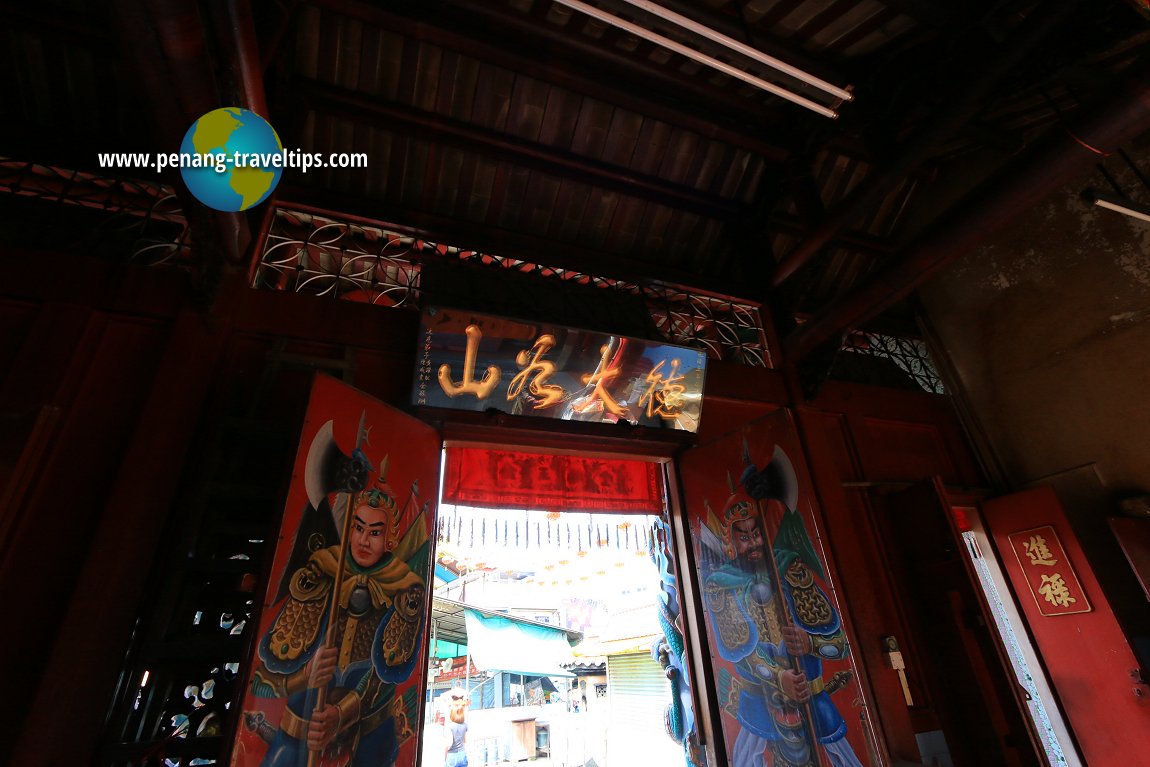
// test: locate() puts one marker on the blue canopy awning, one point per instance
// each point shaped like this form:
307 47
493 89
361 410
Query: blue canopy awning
499 643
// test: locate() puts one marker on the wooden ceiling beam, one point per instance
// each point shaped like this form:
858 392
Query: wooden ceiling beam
236 31
356 107
947 123
691 107
168 46
854 242
931 13
1056 160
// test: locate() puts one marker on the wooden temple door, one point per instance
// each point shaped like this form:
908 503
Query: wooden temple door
1088 660
969 690
337 674
779 650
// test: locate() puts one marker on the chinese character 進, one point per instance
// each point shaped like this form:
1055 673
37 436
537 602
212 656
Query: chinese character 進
1038 552
549 394
1054 591
481 389
665 400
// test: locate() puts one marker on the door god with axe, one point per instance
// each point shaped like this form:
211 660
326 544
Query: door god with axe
350 618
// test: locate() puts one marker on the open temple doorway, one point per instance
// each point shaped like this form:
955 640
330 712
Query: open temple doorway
550 583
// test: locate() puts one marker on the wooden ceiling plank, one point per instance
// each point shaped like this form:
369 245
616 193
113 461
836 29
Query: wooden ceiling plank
351 53
482 190
330 29
306 50
356 107
560 117
733 26
367 78
445 93
525 116
435 175
944 124
542 193
570 203
693 114
651 147
824 18
862 31
448 189
509 214
1052 162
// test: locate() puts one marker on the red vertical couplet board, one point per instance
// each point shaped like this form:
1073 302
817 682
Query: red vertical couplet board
1085 651
1047 570
339 664
780 652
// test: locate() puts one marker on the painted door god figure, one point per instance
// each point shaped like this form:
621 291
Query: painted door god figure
772 620
348 629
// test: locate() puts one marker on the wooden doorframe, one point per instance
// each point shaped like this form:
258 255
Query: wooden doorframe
969 688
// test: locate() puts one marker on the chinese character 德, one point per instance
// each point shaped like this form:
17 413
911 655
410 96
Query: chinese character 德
664 396
1038 552
481 389
548 394
1054 591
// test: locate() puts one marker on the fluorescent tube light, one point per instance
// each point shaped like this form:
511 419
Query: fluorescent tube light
1120 205
746 50
702 58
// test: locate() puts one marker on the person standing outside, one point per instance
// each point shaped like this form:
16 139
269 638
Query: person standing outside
455 731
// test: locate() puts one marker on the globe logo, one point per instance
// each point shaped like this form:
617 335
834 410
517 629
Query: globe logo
231 159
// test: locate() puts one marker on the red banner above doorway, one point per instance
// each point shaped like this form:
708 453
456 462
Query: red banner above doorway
504 478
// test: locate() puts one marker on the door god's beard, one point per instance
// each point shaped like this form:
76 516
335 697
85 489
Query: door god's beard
759 567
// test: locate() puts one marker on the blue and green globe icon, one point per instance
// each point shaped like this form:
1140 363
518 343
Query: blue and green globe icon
235 168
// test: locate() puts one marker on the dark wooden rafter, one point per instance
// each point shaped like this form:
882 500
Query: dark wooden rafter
930 12
237 27
572 73
1017 186
350 105
925 142
852 241
829 15
274 29
927 13
877 20
173 33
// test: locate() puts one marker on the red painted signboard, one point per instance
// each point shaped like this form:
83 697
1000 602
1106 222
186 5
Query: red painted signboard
1047 571
480 362
498 479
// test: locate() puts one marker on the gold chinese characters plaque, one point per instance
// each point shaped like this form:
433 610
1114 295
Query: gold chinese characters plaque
1052 581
